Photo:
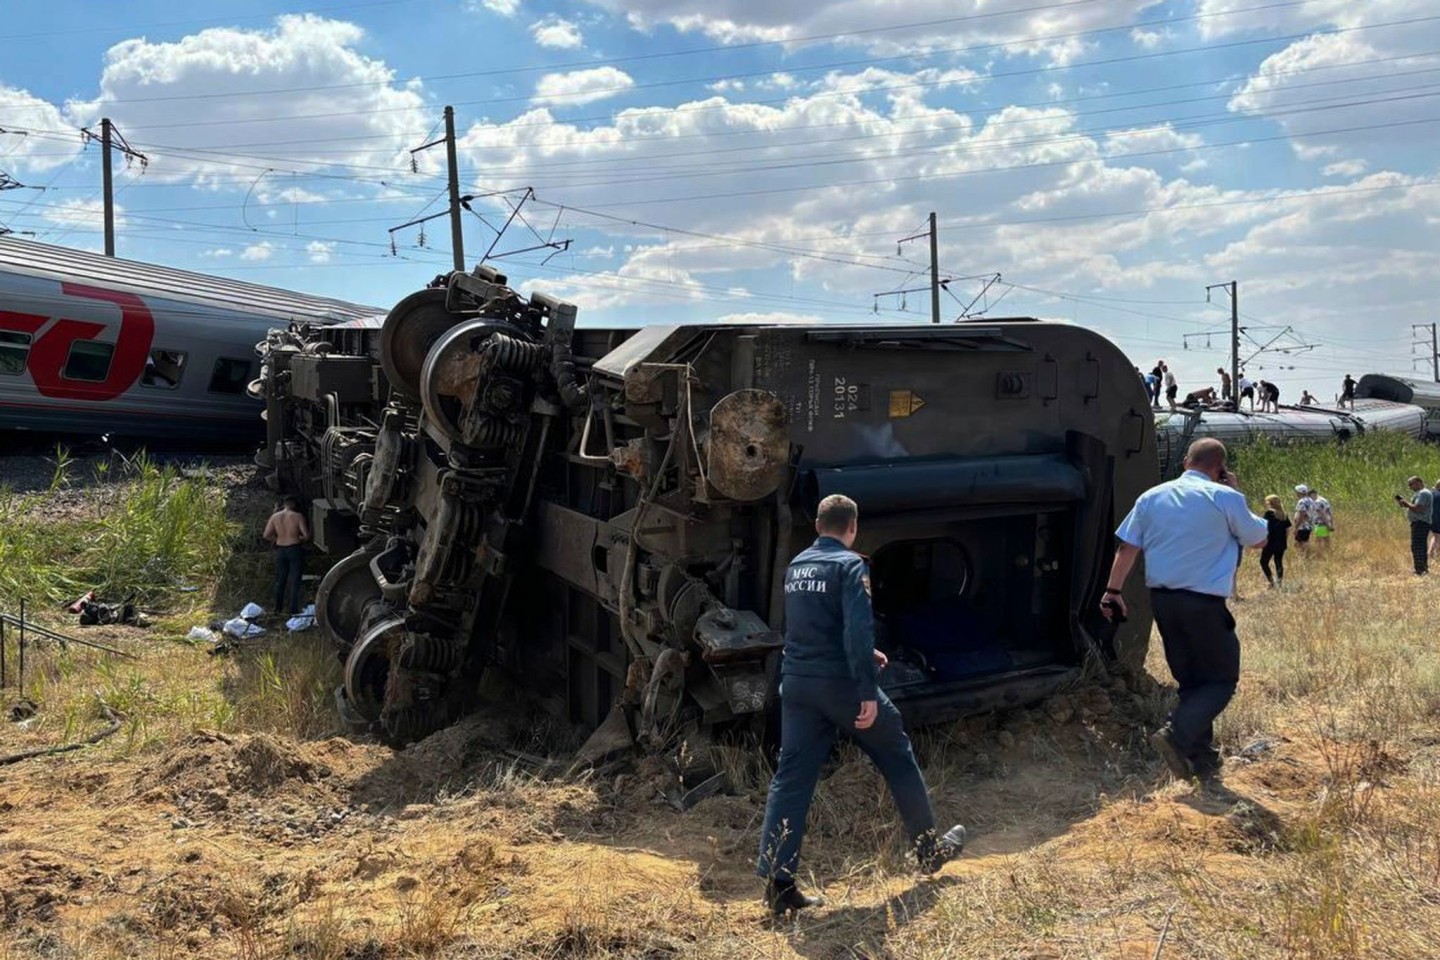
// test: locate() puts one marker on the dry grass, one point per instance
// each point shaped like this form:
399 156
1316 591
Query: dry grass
1329 848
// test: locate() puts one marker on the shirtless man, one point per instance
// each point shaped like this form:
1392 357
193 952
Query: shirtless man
286 529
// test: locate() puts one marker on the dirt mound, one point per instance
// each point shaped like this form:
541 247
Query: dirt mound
258 765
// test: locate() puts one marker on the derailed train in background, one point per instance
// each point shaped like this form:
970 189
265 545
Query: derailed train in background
1383 403
607 513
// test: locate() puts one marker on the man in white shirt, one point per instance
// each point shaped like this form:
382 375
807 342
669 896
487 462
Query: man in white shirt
1190 530
1247 391
1171 387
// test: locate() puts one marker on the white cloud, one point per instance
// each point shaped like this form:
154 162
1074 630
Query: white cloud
1150 139
1148 39
1367 75
87 214
505 8
319 251
582 86
771 316
557 33
39 147
217 253
943 23
225 89
1345 168
263 250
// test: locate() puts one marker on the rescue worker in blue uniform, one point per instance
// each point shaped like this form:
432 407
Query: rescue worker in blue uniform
829 682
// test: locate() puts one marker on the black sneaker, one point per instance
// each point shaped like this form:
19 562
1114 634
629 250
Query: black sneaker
932 854
1176 761
783 898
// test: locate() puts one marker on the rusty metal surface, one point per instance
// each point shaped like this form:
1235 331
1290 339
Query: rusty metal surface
411 329
748 449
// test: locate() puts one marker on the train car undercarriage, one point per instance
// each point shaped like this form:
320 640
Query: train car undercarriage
606 514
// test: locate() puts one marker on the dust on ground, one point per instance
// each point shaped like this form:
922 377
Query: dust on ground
240 845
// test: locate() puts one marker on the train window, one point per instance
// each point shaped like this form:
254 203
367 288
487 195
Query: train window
14 347
230 376
163 369
89 360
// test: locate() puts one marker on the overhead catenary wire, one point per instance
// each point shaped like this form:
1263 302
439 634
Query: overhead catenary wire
1067 136
881 88
1026 41
789 141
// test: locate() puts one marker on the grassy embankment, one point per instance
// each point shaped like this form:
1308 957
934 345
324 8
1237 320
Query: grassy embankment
182 547
1329 848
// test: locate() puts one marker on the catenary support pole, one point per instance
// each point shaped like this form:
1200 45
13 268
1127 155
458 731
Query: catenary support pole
1235 342
457 235
107 183
934 271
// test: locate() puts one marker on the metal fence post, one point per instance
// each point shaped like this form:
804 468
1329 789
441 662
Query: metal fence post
22 647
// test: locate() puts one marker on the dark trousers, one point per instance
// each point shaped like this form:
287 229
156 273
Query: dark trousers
1278 555
1419 546
1203 654
812 710
289 565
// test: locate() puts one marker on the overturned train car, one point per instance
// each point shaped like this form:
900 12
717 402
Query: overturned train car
607 514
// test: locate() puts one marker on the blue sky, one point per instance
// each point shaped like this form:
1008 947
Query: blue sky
721 158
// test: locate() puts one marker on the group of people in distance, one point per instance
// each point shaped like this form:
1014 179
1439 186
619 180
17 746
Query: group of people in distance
1313 519
1229 397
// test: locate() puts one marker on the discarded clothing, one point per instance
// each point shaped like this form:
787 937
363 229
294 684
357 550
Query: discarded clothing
92 613
203 634
240 628
303 620
252 610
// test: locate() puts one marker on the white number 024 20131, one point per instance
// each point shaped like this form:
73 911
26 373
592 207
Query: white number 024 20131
845 397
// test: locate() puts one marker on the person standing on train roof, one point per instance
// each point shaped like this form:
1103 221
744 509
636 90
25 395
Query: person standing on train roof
1307 399
830 683
1247 391
1172 389
1158 372
1152 386
287 530
1347 391
1420 511
1189 530
1224 383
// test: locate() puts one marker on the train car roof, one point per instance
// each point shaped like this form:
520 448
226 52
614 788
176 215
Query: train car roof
64 263
1384 386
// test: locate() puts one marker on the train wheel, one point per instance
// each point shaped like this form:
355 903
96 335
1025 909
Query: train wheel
344 593
411 329
367 668
451 372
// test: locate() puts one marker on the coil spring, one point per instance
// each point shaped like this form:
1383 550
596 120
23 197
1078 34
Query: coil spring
460 559
517 356
490 432
423 651
406 725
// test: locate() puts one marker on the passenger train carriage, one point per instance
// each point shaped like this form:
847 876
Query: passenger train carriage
95 345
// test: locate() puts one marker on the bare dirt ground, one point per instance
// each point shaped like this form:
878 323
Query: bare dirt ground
226 819
257 845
